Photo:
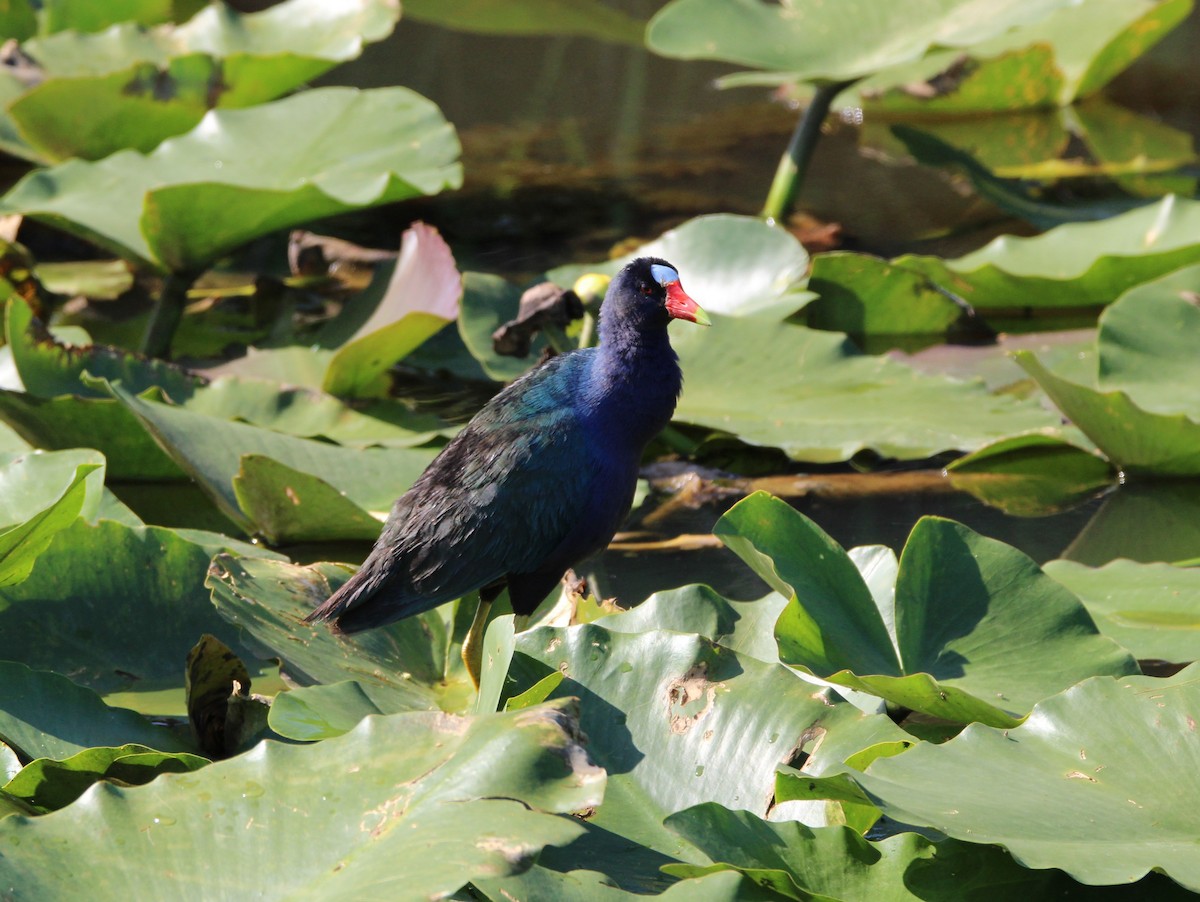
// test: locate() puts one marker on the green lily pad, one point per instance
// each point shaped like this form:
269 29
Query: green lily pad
828 43
742 626
865 295
677 720
407 813
1056 59
975 630
1135 440
288 506
307 413
1010 195
1122 144
589 885
212 451
47 785
1151 609
97 279
1108 810
309 713
71 422
797 862
49 368
18 20
1143 345
193 211
45 715
405 666
92 102
1032 475
115 606
40 494
816 397
1083 264
1153 520
731 265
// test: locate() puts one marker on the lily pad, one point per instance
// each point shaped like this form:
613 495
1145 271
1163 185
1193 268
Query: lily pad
731 265
192 210
405 666
1135 440
71 422
414 786
836 863
41 493
975 631
118 607
47 785
1145 520
308 413
309 713
92 102
1143 346
816 397
1083 264
212 451
676 719
865 295
741 626
1151 609
45 715
829 43
1056 59
1032 475
1108 811
50 368
285 505
80 15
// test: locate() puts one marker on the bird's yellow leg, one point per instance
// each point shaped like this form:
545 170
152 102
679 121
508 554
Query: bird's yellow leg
472 647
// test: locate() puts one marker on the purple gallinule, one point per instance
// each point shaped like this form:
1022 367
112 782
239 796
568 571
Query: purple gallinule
538 480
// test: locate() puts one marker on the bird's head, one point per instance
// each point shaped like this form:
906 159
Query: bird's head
647 294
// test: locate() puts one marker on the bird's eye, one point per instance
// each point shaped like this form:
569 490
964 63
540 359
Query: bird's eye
645 289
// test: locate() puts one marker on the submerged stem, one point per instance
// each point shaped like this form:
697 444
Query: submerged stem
794 162
167 313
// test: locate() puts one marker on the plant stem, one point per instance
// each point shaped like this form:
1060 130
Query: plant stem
167 313
587 333
794 162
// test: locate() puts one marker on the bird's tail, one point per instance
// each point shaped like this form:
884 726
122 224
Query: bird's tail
353 591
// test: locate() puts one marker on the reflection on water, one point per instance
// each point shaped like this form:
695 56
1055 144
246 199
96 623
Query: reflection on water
571 144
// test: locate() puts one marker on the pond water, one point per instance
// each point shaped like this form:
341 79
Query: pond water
571 145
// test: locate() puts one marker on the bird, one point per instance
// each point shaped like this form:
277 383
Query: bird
538 480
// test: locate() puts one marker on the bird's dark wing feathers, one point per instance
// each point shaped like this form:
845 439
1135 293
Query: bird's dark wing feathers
499 499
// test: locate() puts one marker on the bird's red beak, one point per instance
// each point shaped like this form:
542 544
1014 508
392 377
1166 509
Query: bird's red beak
681 306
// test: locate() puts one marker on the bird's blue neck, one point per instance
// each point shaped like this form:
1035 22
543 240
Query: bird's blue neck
633 383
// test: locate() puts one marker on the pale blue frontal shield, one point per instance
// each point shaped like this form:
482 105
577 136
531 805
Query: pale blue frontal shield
664 275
